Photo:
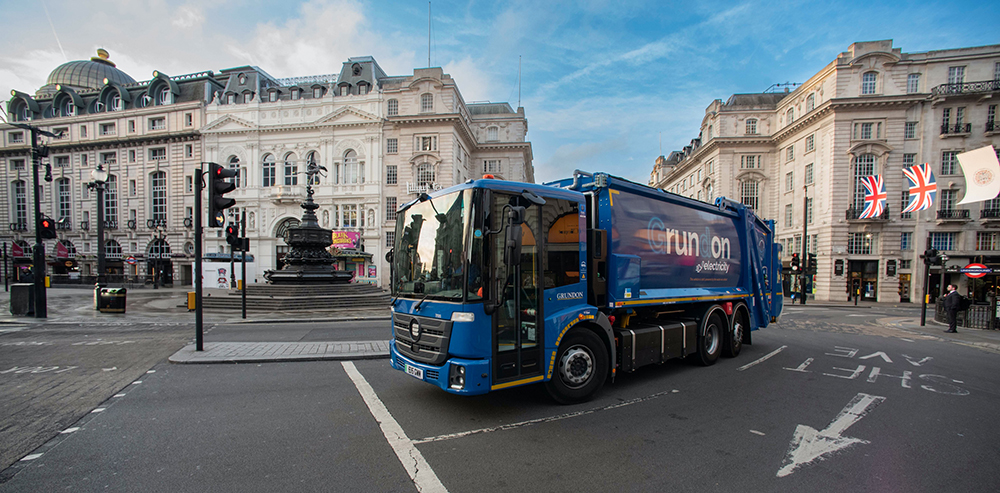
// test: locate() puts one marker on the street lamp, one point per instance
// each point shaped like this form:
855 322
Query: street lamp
99 183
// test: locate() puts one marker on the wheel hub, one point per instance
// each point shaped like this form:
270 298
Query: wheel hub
576 365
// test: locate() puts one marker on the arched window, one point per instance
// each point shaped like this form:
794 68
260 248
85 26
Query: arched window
112 249
247 97
751 126
111 201
425 175
116 103
426 103
351 167
158 248
267 179
313 157
362 88
810 102
234 163
291 169
20 194
868 80
65 199
864 165
144 101
789 116
281 231
393 107
492 134
159 195
165 96
68 108
231 98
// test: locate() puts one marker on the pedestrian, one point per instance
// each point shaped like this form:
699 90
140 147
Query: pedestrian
952 303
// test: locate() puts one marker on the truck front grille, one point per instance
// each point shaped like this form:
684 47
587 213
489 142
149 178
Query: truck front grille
431 345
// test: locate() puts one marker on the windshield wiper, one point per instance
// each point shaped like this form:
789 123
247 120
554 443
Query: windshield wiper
421 302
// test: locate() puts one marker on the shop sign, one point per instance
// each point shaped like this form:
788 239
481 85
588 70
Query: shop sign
838 267
345 239
371 271
975 271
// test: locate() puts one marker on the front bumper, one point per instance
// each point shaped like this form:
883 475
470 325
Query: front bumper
477 372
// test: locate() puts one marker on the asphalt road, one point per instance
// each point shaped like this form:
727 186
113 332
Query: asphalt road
843 403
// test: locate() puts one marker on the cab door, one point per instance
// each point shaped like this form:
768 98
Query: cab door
516 322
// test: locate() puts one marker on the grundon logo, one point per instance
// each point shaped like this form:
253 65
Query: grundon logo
686 243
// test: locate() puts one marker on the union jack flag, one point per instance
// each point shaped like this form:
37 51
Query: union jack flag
875 197
923 188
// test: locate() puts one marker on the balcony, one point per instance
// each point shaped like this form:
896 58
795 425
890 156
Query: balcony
855 215
422 187
287 194
64 224
110 223
19 226
953 215
956 130
980 87
989 214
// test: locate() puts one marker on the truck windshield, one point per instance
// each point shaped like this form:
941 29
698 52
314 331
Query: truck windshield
430 253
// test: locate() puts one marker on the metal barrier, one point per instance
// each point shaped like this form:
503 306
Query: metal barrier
976 317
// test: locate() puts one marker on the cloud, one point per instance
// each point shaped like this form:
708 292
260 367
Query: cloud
472 81
188 17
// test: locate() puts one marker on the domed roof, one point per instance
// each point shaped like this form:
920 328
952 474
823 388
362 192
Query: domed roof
88 74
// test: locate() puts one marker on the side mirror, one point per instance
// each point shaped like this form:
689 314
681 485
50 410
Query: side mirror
388 255
512 243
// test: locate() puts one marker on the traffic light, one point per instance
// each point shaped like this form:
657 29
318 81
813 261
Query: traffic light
811 263
217 188
233 237
931 257
47 227
795 263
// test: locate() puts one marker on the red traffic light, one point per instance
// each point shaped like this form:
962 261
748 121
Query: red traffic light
230 230
46 223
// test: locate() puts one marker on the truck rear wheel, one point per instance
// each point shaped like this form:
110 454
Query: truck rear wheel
734 338
710 342
581 368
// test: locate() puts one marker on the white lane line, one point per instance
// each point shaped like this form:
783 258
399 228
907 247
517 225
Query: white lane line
98 410
541 420
31 457
118 395
905 339
69 430
755 432
137 382
151 371
761 360
420 471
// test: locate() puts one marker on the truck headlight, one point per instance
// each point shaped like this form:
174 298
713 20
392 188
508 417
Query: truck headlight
463 317
456 377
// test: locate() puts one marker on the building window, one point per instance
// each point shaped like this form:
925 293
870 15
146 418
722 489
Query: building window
393 107
65 198
15 137
17 164
749 195
788 215
345 90
949 162
188 184
111 198
362 88
996 71
866 131
868 82
390 239
909 160
350 216
158 154
20 202
291 168
428 143
425 175
492 134
790 153
107 158
991 117
912 83
159 195
810 102
910 130
61 162
107 129
789 181
945 119
84 160
956 75
491 166
947 199
809 210
943 241
391 146
234 163
751 126
864 165
230 98
268 169
132 188
390 174
247 97
906 241
157 123
188 150
131 126
809 174
750 162
165 96
353 170
390 208
861 243
987 240
810 143
426 103
789 116
272 96
905 264
188 119
318 92
296 93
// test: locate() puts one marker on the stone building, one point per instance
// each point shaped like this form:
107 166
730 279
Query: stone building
798 157
145 134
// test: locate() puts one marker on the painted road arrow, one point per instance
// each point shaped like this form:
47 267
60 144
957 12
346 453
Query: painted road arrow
808 444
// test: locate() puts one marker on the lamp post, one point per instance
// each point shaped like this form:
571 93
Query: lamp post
99 183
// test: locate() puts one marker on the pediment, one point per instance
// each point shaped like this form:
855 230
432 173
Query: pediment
348 116
228 123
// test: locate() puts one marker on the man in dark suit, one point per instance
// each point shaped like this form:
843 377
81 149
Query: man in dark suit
952 303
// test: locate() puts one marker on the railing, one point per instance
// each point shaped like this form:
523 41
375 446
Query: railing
978 316
422 187
110 223
85 225
966 88
958 128
18 226
989 214
906 215
156 223
64 224
953 214
855 214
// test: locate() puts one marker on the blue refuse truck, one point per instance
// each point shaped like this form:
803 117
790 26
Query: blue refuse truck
498 284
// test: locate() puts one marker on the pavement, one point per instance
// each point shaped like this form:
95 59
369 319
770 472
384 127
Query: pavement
168 306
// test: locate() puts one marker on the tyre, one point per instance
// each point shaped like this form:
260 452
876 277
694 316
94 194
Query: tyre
734 337
710 342
581 368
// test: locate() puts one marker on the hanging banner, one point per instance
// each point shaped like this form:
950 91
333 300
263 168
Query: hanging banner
16 250
61 250
345 239
982 174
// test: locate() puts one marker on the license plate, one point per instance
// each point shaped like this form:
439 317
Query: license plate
416 372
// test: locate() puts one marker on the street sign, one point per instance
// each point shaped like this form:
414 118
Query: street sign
130 260
975 271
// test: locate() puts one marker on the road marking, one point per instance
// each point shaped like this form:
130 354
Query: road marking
98 410
765 358
809 445
755 432
137 382
31 457
879 354
907 340
119 395
918 363
420 471
151 371
802 367
548 419
113 368
69 430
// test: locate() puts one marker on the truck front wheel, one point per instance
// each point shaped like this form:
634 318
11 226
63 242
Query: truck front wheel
581 368
710 343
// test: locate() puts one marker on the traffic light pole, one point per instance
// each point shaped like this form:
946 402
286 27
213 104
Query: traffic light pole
243 263
805 246
38 252
927 283
198 320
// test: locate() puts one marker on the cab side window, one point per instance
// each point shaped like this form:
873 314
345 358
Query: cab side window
561 227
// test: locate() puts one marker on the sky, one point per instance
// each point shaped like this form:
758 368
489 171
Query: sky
605 85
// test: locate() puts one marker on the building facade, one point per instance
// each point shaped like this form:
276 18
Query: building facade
144 134
798 157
